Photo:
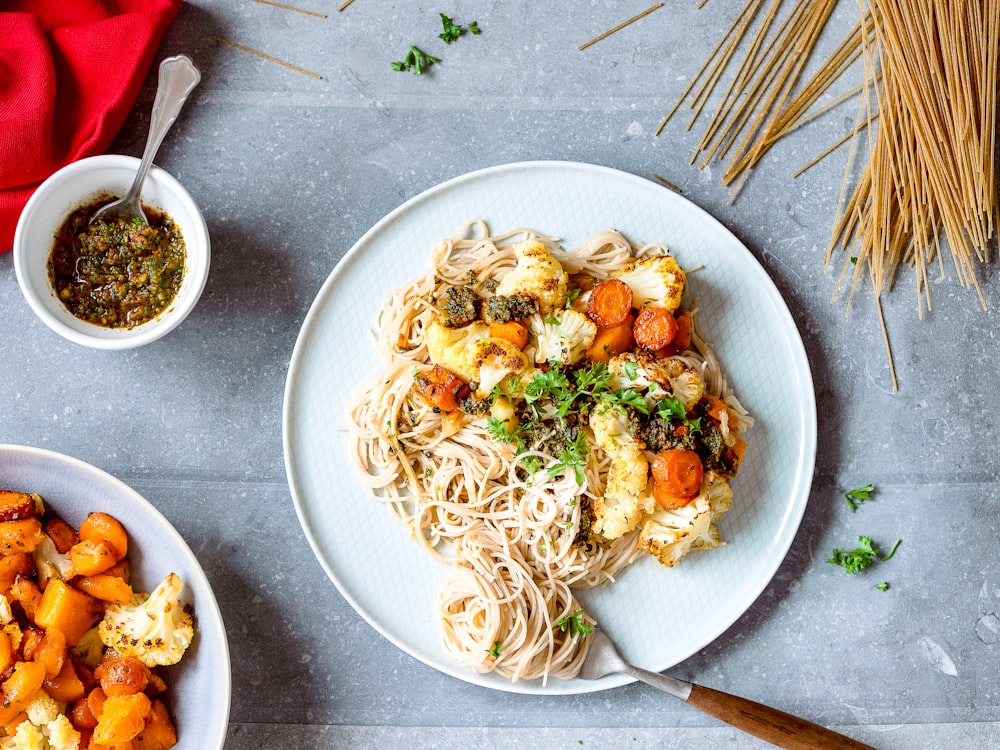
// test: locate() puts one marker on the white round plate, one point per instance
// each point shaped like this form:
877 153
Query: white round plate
198 688
658 616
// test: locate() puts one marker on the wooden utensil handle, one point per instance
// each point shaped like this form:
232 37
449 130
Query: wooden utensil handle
776 727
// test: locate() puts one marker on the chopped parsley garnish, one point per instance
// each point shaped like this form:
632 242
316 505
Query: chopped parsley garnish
672 407
574 622
453 31
495 649
552 321
856 560
857 496
573 457
884 586
497 429
571 294
415 61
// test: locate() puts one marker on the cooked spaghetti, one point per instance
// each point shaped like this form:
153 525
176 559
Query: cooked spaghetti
545 417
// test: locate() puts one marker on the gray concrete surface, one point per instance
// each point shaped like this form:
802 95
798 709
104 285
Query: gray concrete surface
290 171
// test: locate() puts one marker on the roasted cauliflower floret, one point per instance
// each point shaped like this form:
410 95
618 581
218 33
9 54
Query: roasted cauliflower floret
496 359
625 499
656 279
155 628
456 349
46 728
562 339
50 563
659 376
537 273
668 535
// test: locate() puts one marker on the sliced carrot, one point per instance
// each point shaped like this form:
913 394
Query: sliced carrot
667 500
611 341
122 675
512 331
655 328
678 471
441 388
16 506
609 303
682 340
102 527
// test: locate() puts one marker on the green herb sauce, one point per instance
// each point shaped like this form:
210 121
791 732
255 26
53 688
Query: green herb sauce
117 274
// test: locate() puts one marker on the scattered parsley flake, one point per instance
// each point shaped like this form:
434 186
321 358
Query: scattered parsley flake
495 649
416 61
857 496
884 586
856 560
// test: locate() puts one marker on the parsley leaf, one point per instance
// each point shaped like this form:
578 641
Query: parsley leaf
497 430
574 622
573 456
474 28
495 649
857 496
884 586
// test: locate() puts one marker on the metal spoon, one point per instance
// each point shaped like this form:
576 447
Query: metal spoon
178 77
776 727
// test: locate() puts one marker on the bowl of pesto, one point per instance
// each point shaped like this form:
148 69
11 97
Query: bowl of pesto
113 284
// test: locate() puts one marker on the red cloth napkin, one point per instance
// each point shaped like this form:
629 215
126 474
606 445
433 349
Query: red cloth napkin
70 71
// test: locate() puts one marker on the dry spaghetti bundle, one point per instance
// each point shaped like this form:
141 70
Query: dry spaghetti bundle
926 120
930 173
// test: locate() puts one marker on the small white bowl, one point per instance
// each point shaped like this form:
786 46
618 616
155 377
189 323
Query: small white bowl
74 186
199 688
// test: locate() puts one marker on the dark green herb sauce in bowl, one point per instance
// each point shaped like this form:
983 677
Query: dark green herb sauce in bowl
117 273
121 286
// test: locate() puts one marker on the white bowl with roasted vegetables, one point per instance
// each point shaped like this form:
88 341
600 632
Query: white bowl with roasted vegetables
108 626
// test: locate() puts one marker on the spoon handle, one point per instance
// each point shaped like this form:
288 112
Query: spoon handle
177 79
770 724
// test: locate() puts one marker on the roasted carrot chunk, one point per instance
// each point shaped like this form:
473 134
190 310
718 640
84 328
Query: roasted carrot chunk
122 675
609 303
62 535
107 588
16 506
66 686
13 567
122 717
655 328
611 341
512 331
667 499
159 732
20 536
90 558
441 388
102 527
71 611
